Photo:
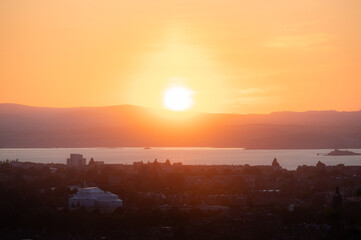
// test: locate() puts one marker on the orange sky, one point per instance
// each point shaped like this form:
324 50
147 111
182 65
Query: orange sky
238 56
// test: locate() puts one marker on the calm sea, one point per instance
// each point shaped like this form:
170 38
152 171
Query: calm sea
289 159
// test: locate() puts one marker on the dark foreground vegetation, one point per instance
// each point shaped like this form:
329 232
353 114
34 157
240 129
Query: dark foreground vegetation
173 201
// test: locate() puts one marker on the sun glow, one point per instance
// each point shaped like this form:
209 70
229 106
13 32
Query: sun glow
178 98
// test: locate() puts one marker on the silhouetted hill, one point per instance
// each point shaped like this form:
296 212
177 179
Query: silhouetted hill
125 125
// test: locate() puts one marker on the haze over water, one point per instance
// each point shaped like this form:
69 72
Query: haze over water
288 159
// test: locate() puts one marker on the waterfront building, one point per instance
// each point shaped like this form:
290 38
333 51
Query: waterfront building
76 160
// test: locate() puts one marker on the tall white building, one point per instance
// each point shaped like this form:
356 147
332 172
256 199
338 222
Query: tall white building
94 198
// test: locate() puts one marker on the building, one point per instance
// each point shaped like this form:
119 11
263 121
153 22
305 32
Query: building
76 160
94 198
95 163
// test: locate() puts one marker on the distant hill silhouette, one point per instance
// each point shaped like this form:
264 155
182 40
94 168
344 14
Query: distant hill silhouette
338 152
125 125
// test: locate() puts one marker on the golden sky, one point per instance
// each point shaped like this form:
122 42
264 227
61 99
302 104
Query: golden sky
251 56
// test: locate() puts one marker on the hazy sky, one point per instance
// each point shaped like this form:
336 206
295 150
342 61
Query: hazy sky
251 56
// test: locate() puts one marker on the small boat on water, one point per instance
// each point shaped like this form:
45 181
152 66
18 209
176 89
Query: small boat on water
147 148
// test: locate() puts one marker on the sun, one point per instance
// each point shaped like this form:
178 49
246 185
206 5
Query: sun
178 98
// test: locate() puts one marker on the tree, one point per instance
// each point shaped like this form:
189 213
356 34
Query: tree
320 164
275 163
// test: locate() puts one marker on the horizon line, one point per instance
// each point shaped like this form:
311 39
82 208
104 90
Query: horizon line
167 110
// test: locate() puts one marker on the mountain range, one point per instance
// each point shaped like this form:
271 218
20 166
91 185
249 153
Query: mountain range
133 126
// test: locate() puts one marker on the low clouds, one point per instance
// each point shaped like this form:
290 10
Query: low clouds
299 41
248 91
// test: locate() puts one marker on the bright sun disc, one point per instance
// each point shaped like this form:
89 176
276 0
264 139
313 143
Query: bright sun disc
178 98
